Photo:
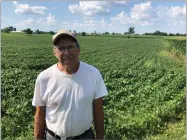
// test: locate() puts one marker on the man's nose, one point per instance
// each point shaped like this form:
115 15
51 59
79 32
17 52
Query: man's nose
66 51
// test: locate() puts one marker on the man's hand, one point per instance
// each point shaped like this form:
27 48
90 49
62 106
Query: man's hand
39 123
98 118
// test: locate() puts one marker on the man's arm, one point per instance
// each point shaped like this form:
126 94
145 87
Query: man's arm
39 123
98 117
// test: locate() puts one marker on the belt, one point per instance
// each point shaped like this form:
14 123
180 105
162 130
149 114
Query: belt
74 137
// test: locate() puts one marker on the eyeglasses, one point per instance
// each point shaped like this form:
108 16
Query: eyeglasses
69 48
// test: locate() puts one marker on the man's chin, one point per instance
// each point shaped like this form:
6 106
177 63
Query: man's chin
68 64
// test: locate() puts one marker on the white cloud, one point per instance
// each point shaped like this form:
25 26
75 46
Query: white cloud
122 17
27 22
121 2
66 23
50 20
146 23
171 12
15 3
177 11
87 18
89 8
26 9
142 12
41 21
174 16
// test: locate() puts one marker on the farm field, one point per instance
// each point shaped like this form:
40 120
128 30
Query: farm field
146 83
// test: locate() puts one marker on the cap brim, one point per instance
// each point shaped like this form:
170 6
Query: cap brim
62 34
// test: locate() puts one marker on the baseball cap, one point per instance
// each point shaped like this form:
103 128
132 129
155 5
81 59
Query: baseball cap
61 33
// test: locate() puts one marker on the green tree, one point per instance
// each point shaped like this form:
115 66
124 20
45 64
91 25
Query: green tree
74 32
107 33
51 32
28 31
83 33
131 30
6 30
37 31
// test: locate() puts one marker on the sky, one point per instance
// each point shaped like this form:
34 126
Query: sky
100 16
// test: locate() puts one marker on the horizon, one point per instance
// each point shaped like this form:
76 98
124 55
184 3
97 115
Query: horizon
100 16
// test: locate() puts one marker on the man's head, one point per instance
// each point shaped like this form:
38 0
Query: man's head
66 48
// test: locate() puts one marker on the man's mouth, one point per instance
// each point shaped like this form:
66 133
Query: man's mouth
68 59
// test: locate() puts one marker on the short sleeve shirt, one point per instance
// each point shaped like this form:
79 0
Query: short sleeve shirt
69 98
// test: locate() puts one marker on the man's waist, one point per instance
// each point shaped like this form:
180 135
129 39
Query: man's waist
75 137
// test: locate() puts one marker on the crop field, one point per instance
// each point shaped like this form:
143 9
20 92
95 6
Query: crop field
146 84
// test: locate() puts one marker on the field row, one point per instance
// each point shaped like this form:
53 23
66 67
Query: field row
146 89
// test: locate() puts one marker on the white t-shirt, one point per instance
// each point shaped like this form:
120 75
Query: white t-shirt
69 98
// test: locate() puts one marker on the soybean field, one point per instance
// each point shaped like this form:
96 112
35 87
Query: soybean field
145 77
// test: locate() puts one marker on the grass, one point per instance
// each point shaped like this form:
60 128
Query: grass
175 37
175 131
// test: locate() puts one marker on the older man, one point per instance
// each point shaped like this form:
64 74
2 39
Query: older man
68 95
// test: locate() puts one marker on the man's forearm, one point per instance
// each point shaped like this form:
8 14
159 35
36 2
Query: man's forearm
39 127
99 126
98 118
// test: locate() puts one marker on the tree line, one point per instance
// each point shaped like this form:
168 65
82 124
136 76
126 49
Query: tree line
131 31
159 33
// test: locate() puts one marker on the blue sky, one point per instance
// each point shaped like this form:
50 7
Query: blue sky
99 16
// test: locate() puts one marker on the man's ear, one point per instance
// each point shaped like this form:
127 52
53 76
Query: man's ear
54 50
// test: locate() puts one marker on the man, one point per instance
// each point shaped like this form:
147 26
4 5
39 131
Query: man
68 95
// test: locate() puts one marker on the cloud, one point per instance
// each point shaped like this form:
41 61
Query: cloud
172 12
50 20
15 3
87 18
27 22
121 2
140 14
26 9
177 11
122 17
143 12
174 16
89 8
41 21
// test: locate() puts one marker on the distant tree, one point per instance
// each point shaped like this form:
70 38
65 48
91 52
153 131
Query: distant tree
6 30
113 33
83 33
160 33
28 31
170 34
74 32
131 30
42 32
51 32
126 33
37 31
107 33
11 28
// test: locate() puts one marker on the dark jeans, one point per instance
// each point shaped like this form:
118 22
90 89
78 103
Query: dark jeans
89 135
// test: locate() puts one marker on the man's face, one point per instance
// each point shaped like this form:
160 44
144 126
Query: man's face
66 52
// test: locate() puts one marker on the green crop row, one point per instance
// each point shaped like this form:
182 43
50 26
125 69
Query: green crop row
146 89
179 45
